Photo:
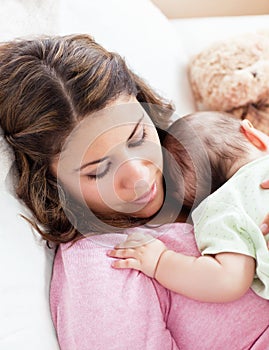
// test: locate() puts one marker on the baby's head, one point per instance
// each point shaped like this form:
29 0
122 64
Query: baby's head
204 150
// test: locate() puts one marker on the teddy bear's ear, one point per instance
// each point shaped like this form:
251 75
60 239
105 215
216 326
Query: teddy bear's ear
256 137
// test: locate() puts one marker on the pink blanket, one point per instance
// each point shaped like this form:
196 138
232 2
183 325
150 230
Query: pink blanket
97 307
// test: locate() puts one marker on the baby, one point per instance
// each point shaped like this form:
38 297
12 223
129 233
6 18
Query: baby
213 153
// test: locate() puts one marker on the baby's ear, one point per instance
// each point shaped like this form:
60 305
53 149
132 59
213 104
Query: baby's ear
256 137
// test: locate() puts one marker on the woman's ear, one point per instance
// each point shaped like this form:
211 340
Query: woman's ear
256 137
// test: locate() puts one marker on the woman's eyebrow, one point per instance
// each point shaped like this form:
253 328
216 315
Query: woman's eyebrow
105 158
91 163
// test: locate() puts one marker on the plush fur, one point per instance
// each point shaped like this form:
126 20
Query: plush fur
233 76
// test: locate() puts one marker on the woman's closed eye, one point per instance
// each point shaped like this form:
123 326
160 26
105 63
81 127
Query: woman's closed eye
135 140
100 172
138 138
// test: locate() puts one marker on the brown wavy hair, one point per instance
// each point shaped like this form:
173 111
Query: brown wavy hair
48 85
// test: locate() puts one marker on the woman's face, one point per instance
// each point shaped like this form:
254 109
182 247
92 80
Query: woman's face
113 161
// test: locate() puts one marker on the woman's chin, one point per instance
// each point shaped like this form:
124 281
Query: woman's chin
149 209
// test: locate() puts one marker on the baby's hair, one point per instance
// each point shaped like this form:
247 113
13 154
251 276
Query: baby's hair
47 86
202 146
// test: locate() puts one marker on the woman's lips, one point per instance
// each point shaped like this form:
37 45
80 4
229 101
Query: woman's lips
148 196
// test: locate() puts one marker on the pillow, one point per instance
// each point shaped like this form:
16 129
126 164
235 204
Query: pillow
25 266
139 32
26 17
25 270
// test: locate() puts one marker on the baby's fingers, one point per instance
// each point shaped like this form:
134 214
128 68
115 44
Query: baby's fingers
265 225
126 259
265 184
121 253
128 263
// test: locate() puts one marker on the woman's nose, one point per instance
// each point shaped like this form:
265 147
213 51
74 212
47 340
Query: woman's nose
132 179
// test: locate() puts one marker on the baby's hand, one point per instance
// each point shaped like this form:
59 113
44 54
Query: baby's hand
265 224
265 184
140 252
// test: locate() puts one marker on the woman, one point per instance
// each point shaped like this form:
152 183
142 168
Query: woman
89 161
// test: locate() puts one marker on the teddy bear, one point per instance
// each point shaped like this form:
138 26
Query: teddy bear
233 76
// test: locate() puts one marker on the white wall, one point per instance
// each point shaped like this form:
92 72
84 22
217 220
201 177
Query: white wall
205 8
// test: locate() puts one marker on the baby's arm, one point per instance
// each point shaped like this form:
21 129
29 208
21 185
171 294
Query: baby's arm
221 278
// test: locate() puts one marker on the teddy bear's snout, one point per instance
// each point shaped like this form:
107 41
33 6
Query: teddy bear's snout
254 74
